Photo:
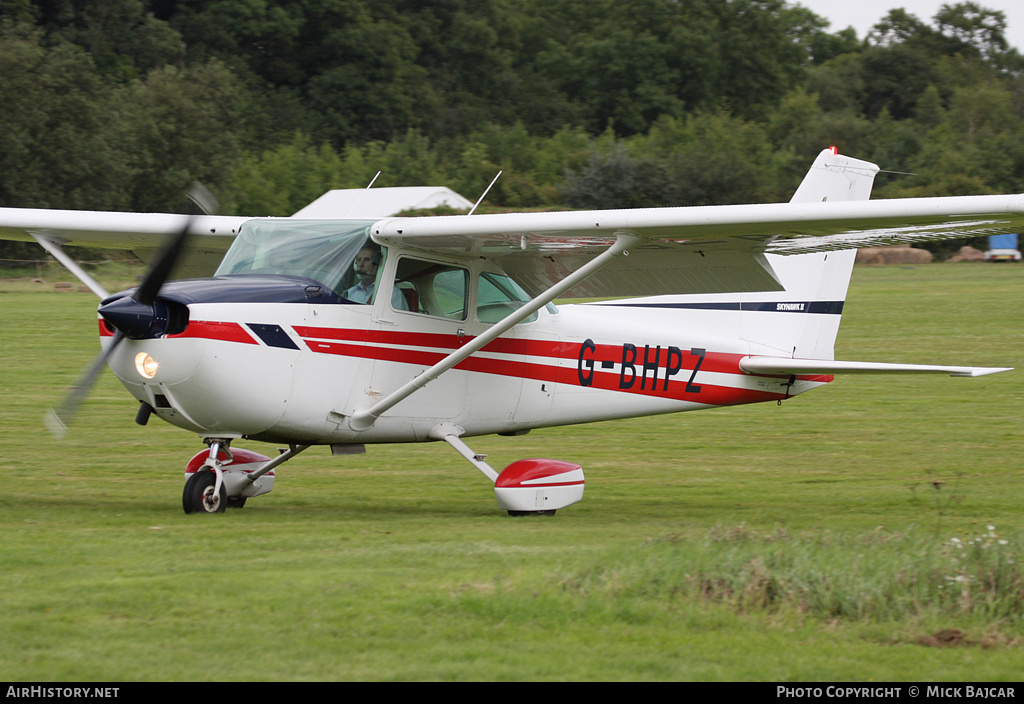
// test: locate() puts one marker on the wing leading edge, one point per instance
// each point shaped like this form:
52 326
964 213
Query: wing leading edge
111 230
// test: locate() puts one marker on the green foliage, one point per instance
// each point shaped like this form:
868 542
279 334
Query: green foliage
881 577
614 180
701 159
75 138
186 122
61 143
280 181
589 103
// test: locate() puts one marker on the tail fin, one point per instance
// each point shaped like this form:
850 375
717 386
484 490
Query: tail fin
835 177
816 284
822 281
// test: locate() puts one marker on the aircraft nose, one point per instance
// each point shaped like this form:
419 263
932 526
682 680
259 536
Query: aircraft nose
205 385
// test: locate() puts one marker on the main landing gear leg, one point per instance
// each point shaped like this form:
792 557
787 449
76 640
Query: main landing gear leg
536 487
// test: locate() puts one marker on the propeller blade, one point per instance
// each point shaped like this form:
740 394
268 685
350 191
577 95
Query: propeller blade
203 198
154 281
147 291
59 419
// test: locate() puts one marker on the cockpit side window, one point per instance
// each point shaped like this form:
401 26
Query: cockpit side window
440 290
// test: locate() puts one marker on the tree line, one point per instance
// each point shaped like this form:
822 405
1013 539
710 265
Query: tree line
581 103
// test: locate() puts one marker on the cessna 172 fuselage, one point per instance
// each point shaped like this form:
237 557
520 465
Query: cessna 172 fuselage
278 353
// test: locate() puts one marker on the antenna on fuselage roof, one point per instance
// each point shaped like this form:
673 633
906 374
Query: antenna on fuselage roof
483 195
368 187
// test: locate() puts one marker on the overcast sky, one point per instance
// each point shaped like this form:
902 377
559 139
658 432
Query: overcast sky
863 14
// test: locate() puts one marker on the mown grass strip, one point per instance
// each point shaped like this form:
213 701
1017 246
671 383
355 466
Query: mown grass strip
811 541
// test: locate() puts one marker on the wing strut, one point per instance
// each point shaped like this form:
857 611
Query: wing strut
364 419
53 248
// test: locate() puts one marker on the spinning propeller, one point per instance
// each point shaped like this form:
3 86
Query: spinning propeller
134 316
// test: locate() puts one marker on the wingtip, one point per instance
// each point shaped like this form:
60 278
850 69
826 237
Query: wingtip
982 371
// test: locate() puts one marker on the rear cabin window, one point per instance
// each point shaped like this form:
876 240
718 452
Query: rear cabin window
498 296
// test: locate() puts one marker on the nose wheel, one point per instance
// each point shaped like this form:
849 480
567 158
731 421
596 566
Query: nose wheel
201 495
221 478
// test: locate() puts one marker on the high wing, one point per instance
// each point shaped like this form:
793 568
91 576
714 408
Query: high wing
141 233
681 250
111 230
701 249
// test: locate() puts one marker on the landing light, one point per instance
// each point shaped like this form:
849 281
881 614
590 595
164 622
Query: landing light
146 365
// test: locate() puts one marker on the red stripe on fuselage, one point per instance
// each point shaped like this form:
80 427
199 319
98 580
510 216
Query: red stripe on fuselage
210 330
679 387
204 329
437 340
713 361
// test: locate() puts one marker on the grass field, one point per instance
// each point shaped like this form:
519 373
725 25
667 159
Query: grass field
842 536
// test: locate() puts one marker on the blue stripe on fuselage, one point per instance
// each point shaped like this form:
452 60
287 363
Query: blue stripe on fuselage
819 307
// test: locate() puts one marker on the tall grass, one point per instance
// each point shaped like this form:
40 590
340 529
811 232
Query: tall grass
879 577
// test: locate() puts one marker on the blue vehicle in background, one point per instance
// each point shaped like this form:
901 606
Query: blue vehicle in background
1002 248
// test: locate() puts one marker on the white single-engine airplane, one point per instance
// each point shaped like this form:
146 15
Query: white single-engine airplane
346 332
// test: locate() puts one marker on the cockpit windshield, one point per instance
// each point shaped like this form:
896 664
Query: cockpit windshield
322 250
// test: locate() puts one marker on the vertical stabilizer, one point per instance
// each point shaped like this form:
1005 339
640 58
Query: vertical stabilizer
835 177
821 280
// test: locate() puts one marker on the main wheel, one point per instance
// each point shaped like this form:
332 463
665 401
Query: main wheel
199 497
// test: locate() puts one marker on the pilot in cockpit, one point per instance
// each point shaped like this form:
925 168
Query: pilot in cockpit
365 265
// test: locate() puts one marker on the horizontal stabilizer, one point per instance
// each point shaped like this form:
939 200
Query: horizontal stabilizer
786 365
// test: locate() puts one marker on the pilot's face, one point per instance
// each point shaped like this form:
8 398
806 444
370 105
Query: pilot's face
364 266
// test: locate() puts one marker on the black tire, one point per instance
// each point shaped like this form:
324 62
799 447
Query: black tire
520 514
199 486
237 502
